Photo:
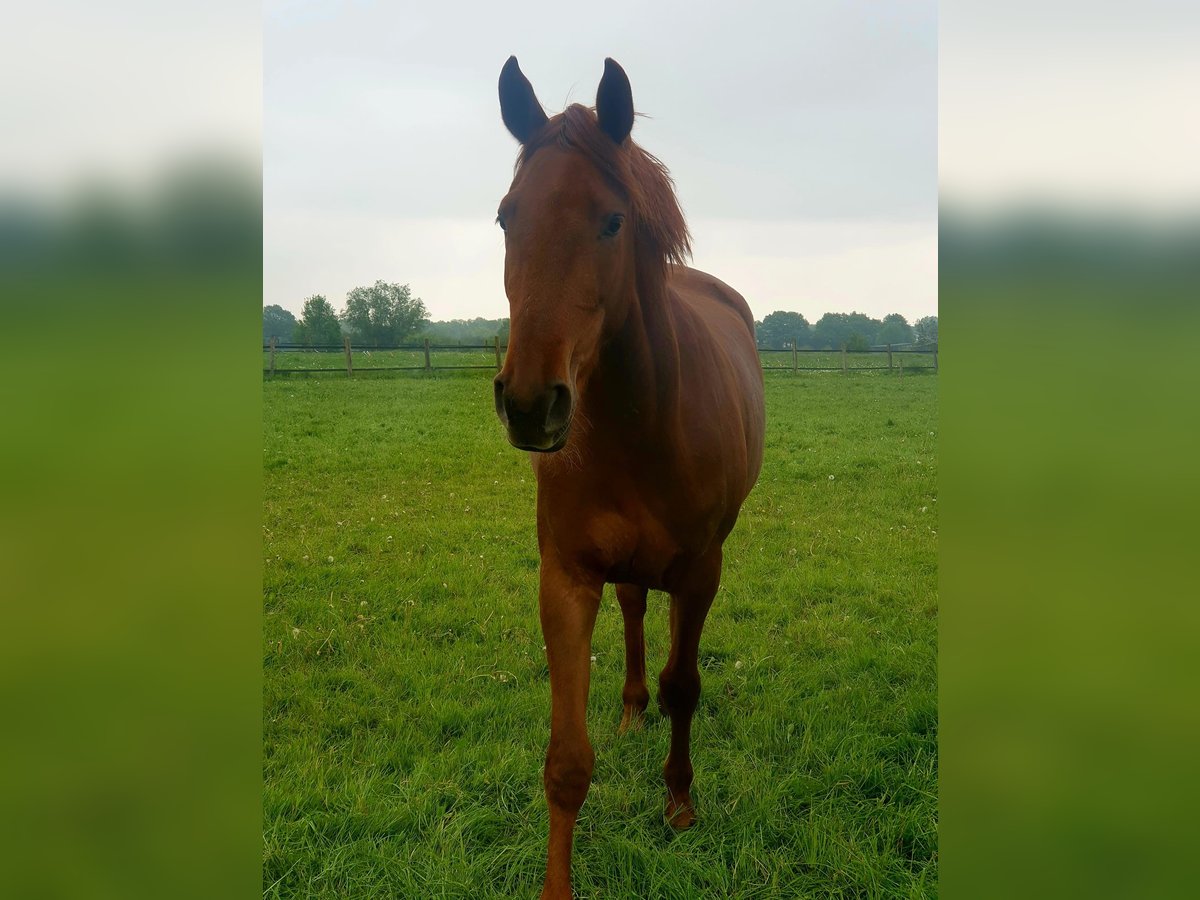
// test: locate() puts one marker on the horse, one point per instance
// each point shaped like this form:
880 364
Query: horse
634 383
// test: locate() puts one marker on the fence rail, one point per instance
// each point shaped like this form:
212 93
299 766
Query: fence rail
282 359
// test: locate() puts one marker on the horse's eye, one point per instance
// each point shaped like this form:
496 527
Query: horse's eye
614 225
500 222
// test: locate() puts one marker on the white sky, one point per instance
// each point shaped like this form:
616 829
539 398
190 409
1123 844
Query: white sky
801 136
116 90
1078 103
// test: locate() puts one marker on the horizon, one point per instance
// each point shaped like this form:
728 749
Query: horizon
812 320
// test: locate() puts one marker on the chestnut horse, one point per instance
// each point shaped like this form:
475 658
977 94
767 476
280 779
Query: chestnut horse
635 383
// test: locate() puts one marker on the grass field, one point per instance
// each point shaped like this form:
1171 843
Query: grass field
335 360
406 693
362 358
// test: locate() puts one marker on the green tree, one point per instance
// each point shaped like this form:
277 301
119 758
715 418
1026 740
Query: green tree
895 330
318 323
466 331
383 313
925 331
834 330
780 329
278 323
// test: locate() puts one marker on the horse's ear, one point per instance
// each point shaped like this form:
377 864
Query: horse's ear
614 102
519 106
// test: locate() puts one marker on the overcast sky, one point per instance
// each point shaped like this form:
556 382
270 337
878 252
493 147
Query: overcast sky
801 137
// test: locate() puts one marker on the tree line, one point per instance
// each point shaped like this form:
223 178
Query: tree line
377 315
782 329
383 314
386 314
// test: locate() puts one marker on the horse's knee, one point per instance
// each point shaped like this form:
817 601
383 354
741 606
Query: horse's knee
679 691
568 773
636 694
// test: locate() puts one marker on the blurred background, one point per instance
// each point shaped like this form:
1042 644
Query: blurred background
130 275
1069 280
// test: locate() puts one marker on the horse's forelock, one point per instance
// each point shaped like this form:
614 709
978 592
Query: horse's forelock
638 174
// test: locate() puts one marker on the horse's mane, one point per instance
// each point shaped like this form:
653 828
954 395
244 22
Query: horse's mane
661 229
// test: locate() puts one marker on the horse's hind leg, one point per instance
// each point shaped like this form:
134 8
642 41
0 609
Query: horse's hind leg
679 687
635 695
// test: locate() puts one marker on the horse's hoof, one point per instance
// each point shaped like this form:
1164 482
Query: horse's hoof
680 813
631 720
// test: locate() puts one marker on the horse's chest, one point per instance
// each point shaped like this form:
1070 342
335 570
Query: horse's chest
625 540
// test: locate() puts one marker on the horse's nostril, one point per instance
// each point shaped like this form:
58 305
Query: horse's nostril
559 410
498 391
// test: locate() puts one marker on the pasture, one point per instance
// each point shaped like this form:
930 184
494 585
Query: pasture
406 699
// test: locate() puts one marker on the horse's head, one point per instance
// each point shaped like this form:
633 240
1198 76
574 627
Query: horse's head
569 251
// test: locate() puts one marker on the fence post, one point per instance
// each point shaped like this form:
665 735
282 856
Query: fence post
844 360
497 353
795 356
889 356
349 364
935 359
427 365
272 356
902 367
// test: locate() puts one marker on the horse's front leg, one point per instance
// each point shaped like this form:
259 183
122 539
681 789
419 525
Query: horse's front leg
634 695
568 605
679 683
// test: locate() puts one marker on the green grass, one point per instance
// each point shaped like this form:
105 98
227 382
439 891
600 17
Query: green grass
335 360
406 692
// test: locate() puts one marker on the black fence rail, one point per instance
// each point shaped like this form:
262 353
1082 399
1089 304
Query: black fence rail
285 359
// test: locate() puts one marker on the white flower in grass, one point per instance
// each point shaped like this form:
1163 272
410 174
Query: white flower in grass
738 664
831 478
330 558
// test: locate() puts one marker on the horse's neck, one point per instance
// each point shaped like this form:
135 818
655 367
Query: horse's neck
639 380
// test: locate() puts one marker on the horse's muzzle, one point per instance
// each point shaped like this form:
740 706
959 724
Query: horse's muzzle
539 423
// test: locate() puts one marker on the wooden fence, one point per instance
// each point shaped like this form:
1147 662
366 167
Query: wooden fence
430 357
920 359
